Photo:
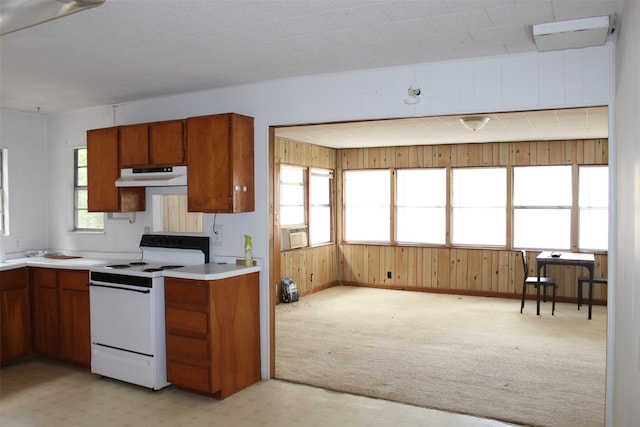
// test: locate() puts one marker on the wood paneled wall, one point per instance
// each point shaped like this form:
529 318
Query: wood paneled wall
313 269
484 272
176 217
321 262
581 152
437 269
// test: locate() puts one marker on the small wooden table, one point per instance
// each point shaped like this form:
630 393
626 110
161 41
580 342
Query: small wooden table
566 258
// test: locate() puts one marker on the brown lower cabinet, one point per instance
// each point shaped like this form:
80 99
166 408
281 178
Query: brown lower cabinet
213 334
15 320
74 317
60 312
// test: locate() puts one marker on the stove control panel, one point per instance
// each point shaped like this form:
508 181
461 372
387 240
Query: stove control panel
174 241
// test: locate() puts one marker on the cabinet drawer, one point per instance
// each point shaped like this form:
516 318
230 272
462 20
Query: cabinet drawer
14 279
191 294
188 350
43 277
185 321
75 280
188 376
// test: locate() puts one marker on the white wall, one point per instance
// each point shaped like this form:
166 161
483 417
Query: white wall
25 136
515 82
503 83
623 389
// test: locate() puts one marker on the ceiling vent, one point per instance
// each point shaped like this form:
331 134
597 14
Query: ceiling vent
574 34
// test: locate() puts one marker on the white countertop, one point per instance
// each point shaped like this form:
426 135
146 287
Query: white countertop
211 271
70 264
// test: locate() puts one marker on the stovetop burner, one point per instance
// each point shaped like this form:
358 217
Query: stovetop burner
118 266
127 265
160 252
162 267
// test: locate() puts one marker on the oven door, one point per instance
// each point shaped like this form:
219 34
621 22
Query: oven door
121 316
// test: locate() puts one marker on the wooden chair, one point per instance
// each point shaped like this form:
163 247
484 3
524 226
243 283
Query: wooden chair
585 279
545 282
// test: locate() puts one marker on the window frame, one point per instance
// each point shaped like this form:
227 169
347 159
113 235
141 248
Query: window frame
4 192
307 172
503 206
580 208
509 209
397 208
315 171
305 196
567 209
389 204
77 211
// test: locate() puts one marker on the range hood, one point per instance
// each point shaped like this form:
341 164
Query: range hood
166 176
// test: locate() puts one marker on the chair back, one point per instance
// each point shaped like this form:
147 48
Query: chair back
524 264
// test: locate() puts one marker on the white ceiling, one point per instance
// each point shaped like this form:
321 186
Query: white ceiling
576 123
127 50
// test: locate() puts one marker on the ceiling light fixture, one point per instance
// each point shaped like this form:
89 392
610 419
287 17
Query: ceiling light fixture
413 95
474 123
18 14
574 34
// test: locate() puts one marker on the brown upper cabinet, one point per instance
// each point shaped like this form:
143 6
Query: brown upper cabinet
217 149
103 170
220 163
152 144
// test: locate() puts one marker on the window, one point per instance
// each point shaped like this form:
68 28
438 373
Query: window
542 199
4 197
558 207
292 195
306 201
367 205
479 206
84 220
593 207
320 206
421 198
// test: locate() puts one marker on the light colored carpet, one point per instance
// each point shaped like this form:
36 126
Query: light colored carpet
470 355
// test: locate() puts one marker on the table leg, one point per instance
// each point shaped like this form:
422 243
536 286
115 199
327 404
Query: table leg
590 290
538 292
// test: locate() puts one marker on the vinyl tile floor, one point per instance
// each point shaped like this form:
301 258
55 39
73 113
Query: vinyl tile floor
46 393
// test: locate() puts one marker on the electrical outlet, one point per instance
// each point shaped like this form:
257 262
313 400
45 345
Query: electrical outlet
312 277
217 235
388 275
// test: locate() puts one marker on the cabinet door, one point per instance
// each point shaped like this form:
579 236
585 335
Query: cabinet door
242 179
133 146
45 311
45 328
236 308
166 143
15 315
208 155
75 331
103 170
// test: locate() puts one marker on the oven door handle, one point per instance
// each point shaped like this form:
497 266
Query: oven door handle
142 291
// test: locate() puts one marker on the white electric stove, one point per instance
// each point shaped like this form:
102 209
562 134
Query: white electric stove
127 309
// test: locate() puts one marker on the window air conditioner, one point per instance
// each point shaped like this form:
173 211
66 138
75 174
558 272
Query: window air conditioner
294 238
